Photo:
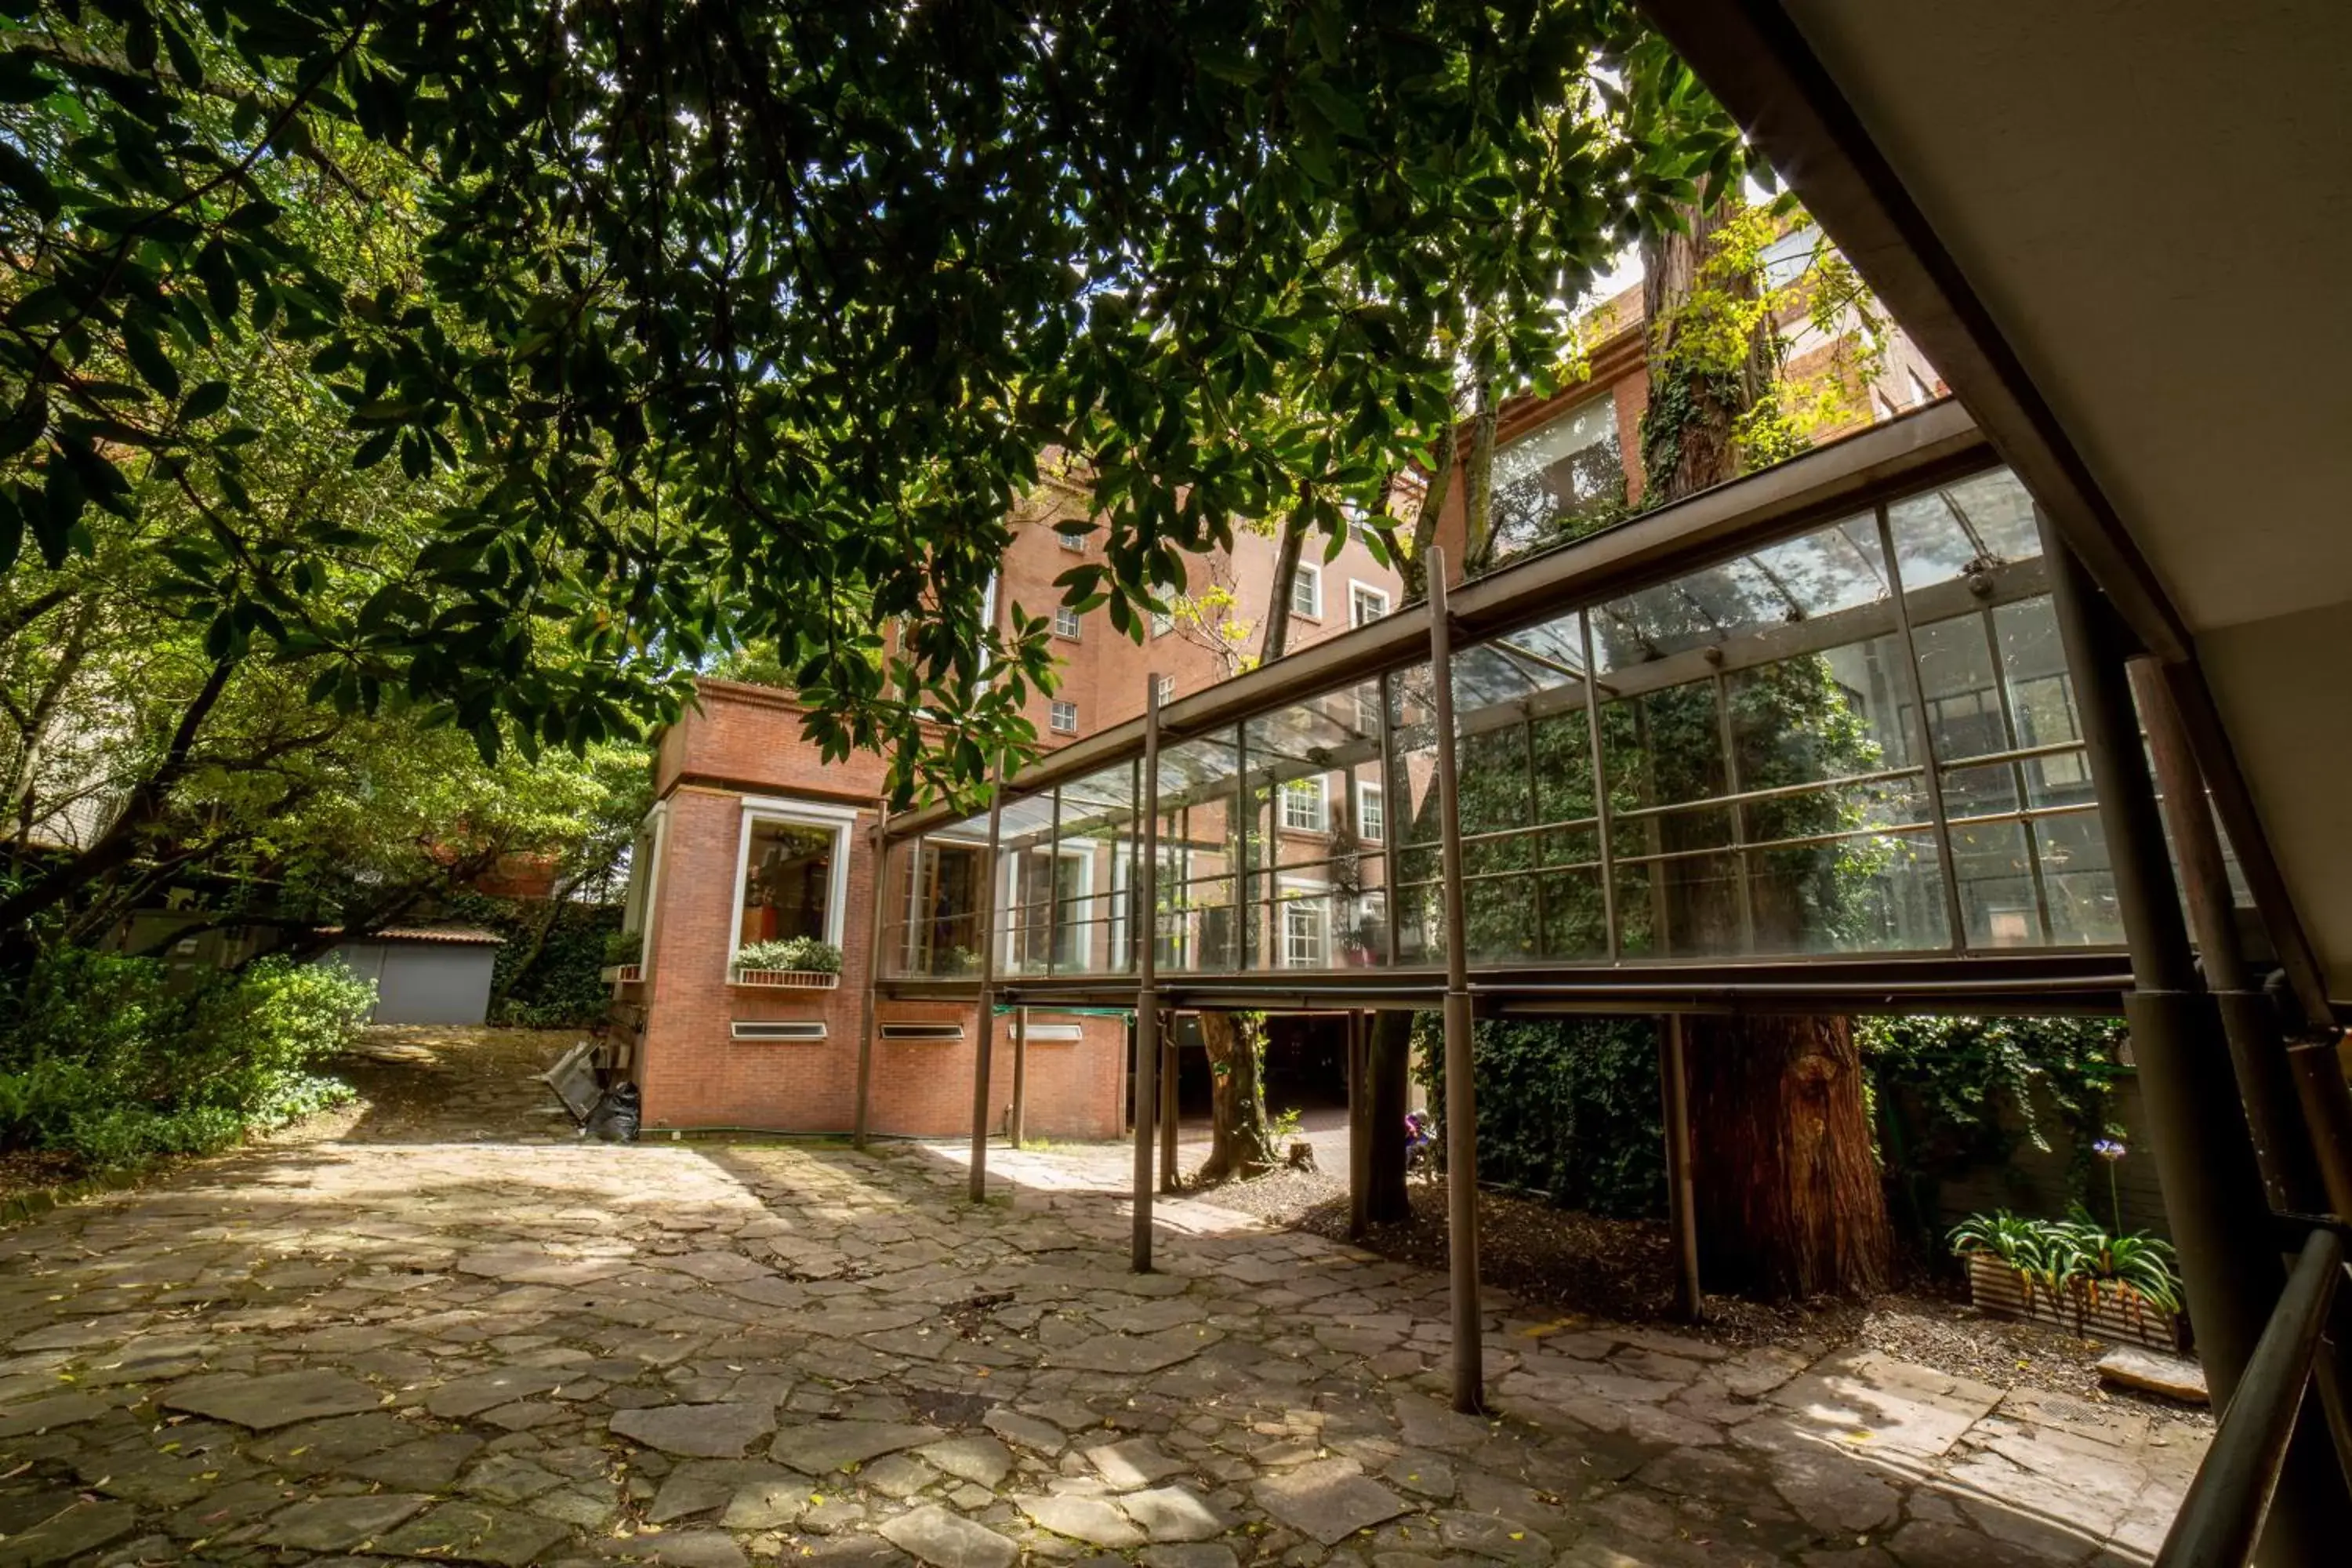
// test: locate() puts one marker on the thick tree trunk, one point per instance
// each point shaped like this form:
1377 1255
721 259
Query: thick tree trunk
1789 1197
1787 1185
1241 1142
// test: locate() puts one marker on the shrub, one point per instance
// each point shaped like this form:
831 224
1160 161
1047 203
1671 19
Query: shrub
2076 1253
806 954
624 947
105 1062
1567 1106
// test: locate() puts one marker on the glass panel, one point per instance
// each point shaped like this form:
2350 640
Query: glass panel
1199 846
1097 848
1962 693
943 924
2041 698
787 882
1560 481
1996 880
2077 882
1982 521
1413 789
1756 731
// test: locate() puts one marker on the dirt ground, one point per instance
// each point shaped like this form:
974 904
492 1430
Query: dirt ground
1622 1271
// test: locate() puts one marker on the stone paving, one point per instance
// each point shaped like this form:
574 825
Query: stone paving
705 1356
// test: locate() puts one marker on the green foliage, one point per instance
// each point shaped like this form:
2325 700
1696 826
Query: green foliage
624 947
806 954
103 1060
1567 1106
2075 1254
713 323
549 973
1955 1094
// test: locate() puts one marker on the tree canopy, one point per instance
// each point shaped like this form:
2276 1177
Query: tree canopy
654 326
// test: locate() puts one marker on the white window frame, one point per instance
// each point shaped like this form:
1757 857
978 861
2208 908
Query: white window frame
837 820
1304 895
1371 811
1308 583
640 904
1073 539
1054 709
1357 592
1165 687
1294 794
1009 935
1066 622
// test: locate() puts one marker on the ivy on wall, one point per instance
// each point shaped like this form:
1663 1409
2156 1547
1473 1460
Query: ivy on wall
1569 1107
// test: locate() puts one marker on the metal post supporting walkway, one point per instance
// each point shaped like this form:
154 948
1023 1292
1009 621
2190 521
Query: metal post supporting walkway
2213 1193
1461 1084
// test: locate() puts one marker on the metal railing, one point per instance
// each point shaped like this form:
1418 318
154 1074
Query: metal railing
2221 1520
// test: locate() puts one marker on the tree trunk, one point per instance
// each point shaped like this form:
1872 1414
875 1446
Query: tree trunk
1789 1198
1413 564
1241 1142
1389 1066
1788 1191
1478 484
1687 430
1286 576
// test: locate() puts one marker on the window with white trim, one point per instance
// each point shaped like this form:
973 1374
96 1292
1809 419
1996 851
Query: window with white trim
1065 622
1071 538
1063 717
1163 687
1305 933
1366 603
1307 590
1303 805
791 876
1371 811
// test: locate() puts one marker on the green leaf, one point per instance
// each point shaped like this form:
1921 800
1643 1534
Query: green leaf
17 172
147 356
205 401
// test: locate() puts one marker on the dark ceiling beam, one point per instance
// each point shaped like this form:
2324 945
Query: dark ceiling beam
1759 65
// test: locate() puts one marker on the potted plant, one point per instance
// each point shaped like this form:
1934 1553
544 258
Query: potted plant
793 963
625 953
2075 1274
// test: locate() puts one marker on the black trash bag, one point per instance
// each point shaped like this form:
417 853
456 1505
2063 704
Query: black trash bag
615 1118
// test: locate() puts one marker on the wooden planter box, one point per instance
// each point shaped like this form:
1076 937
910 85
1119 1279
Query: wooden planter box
624 973
783 979
2006 1292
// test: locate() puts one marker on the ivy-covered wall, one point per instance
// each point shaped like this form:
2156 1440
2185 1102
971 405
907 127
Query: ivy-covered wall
1969 1113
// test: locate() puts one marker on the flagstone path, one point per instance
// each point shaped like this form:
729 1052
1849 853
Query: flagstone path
509 1353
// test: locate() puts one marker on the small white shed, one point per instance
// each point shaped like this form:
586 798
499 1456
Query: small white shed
425 975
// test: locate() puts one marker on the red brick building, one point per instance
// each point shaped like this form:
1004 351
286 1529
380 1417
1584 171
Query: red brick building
755 837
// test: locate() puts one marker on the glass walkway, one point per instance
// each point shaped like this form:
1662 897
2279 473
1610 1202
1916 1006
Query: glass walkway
1808 740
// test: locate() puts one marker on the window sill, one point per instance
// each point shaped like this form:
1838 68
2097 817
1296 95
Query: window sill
782 979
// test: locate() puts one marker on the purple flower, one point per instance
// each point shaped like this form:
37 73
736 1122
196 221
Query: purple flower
2109 1149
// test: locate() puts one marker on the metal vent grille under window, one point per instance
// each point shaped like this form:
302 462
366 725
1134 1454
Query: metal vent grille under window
777 1029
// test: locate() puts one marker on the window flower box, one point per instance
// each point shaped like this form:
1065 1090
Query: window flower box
2111 1312
782 979
622 973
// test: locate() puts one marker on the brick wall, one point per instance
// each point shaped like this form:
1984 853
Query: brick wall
694 1074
